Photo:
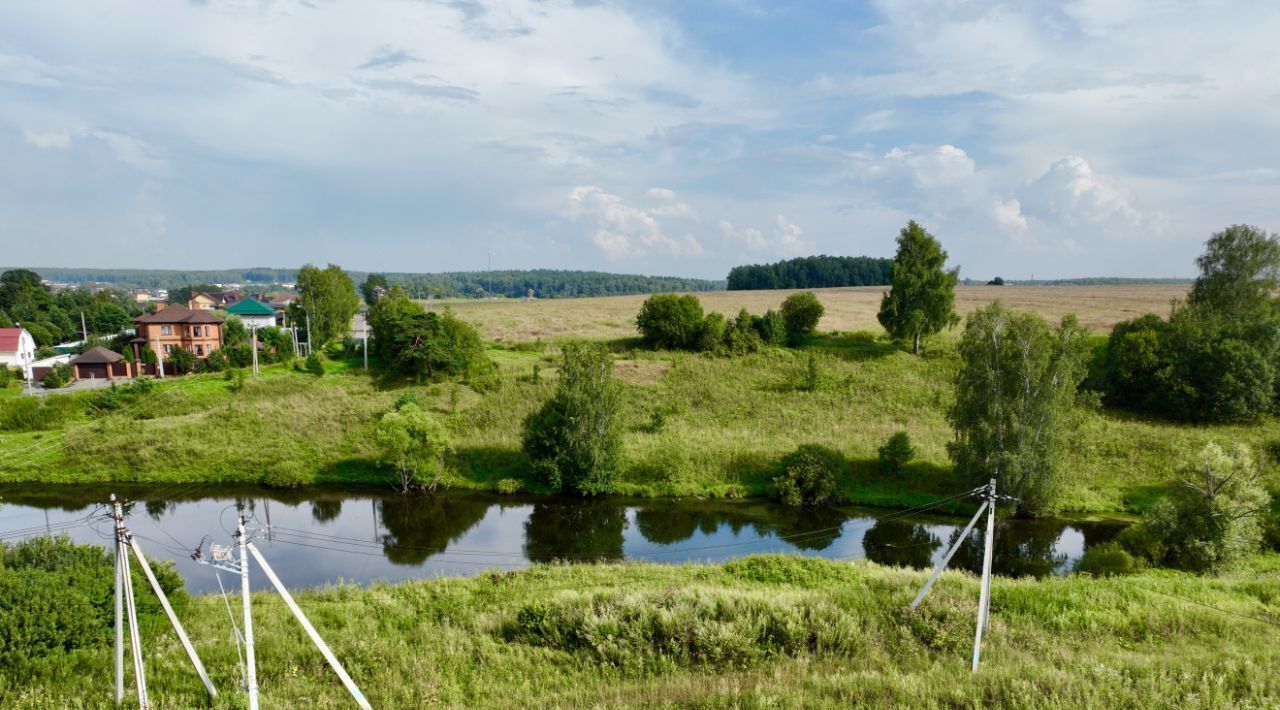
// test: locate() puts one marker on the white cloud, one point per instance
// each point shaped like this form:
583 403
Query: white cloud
784 240
661 193
624 231
47 139
1008 216
1071 192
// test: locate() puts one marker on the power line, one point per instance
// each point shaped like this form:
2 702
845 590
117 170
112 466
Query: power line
1188 600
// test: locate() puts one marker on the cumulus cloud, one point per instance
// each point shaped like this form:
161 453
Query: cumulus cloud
1071 192
785 239
624 231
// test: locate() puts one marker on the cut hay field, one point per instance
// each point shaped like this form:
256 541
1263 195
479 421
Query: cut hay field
848 309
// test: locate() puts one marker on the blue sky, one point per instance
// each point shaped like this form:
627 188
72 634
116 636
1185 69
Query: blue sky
1091 137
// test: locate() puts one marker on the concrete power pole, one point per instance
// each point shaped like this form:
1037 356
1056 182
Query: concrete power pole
251 667
253 331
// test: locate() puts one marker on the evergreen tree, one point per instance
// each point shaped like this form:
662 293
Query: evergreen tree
921 301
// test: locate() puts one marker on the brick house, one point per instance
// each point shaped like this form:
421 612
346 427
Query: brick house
211 300
197 332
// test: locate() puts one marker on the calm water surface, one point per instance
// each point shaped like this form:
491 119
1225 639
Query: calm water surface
321 536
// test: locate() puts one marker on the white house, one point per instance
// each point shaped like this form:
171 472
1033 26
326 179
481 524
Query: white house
17 350
254 314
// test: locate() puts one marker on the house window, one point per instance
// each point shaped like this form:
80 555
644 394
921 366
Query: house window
200 350
166 330
168 349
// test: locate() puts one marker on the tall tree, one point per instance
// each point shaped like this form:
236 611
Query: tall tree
1239 272
921 301
328 299
1015 402
374 287
576 437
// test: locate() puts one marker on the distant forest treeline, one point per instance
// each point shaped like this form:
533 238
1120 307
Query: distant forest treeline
545 283
812 272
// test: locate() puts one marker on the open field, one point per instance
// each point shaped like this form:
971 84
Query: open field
758 632
848 309
727 423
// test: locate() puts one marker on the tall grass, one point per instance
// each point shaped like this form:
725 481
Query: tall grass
762 632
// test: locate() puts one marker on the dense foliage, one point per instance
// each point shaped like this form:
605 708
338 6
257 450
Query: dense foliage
800 314
542 283
575 438
1213 517
896 453
1215 359
677 322
327 301
57 597
811 272
413 443
922 299
810 475
53 318
424 344
1015 402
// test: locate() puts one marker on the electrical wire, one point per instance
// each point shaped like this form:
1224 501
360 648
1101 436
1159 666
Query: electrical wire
1188 600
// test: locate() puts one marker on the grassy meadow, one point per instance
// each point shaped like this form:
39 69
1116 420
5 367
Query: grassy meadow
725 422
761 632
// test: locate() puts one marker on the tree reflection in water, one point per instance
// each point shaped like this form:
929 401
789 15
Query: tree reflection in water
326 510
803 528
420 526
575 530
900 544
1025 548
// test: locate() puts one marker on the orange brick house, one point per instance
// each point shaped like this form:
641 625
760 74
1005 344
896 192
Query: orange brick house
198 332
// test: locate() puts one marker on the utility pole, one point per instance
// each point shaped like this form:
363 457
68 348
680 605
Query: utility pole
84 329
364 322
984 597
253 332
125 582
126 543
988 506
251 672
306 320
159 359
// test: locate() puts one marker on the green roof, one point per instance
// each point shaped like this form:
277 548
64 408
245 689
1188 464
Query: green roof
250 307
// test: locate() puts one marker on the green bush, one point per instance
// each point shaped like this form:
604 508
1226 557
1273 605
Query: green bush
286 474
56 597
801 313
509 486
772 328
671 321
810 475
60 375
1106 560
712 333
1212 519
180 361
643 632
576 437
314 365
896 453
38 413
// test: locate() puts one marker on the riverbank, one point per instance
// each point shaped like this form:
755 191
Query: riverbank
758 632
723 425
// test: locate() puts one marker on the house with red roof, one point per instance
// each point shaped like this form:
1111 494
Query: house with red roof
17 350
198 332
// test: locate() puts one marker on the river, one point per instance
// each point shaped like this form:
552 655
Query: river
320 536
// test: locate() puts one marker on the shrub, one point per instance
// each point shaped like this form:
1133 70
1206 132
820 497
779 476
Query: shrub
314 365
810 475
896 452
772 328
180 361
286 474
801 313
412 341
644 632
657 421
576 437
235 379
509 486
711 333
60 375
1212 518
741 336
413 443
1106 560
671 321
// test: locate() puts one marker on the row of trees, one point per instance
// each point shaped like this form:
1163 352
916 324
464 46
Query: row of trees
811 272
55 318
677 322
541 283
1216 358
